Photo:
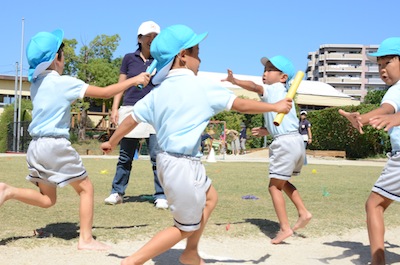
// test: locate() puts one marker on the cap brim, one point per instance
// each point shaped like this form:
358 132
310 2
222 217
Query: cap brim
196 40
59 33
374 55
264 60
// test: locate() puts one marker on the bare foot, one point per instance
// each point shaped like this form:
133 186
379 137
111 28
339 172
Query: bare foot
93 245
3 191
191 258
282 235
302 221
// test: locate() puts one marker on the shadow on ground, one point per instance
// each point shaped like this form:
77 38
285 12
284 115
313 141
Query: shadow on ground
360 252
172 257
140 198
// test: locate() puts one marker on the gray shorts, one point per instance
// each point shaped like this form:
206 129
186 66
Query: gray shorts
286 156
388 183
54 161
185 184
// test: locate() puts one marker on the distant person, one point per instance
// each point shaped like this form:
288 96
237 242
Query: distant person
243 139
132 65
233 138
204 137
287 149
387 188
52 161
305 131
179 123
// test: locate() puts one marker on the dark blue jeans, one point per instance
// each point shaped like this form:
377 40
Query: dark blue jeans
124 165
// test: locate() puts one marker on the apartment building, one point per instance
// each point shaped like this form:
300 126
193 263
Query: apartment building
346 68
9 86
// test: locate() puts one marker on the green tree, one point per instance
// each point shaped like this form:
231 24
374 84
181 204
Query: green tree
94 65
374 96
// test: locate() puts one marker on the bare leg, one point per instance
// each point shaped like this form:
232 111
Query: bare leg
160 243
375 207
275 189
294 195
84 188
44 198
167 238
190 255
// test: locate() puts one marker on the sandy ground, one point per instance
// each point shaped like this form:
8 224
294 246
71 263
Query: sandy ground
351 248
348 248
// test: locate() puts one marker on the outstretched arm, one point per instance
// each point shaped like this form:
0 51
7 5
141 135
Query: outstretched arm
385 122
358 121
246 84
114 89
250 106
123 129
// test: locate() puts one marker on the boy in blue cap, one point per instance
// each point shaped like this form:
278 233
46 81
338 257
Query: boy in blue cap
52 161
179 109
387 188
286 152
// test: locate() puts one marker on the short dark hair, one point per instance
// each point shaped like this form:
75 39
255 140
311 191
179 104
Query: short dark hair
60 51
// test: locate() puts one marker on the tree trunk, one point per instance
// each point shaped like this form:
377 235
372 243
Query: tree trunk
82 125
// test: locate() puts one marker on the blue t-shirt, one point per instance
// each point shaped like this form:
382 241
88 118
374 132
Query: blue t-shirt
132 65
243 134
180 108
392 97
290 123
52 96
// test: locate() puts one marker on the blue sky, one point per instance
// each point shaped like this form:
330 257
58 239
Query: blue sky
239 33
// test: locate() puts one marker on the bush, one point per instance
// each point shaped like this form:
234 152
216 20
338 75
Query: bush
331 131
7 120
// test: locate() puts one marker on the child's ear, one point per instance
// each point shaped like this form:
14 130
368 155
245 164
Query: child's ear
284 78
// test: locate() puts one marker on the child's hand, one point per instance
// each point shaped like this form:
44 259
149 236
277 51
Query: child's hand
106 147
354 118
259 131
230 77
384 122
284 105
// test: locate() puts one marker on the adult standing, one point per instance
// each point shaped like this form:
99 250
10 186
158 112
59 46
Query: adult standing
233 138
133 64
305 131
243 139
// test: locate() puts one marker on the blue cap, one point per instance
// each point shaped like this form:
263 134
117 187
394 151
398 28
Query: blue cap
168 43
390 46
282 63
42 50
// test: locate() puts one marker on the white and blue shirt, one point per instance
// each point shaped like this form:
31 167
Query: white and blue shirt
51 96
392 97
180 108
290 123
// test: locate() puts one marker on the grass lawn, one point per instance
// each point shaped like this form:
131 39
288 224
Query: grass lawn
335 195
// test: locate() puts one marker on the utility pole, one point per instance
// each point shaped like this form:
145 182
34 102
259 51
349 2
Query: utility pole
14 148
20 86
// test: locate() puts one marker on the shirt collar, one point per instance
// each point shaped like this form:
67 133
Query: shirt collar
180 71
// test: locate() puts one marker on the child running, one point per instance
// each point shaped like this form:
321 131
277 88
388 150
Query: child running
286 152
180 108
387 188
52 161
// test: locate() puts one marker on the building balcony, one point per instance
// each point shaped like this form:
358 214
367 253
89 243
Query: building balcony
341 68
341 56
341 80
374 81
